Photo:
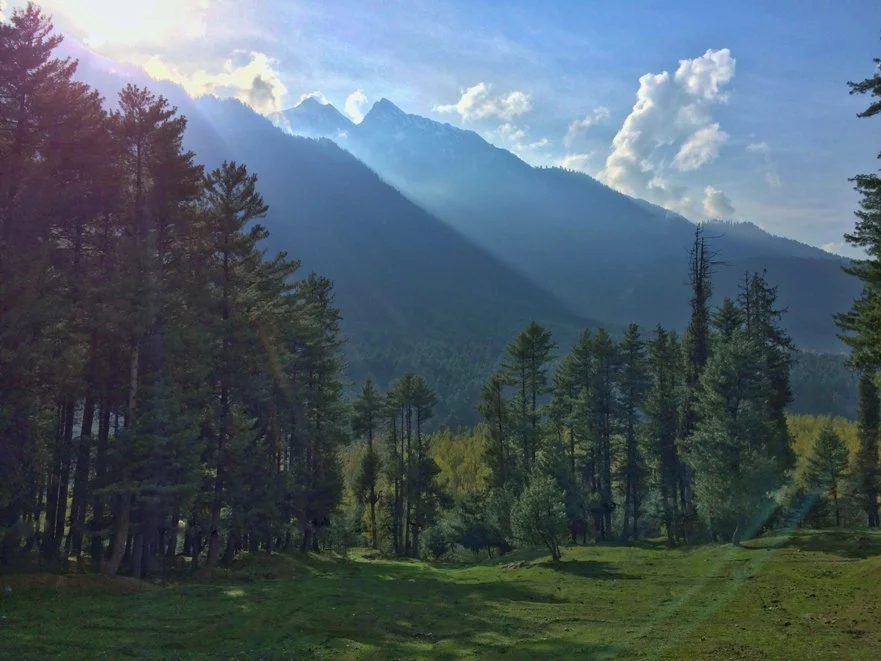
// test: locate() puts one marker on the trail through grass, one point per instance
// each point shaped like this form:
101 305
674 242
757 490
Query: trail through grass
815 595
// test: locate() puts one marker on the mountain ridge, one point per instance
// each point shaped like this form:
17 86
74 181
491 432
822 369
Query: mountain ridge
605 254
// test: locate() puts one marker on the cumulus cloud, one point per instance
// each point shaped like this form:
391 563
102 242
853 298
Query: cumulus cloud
354 105
579 126
701 148
478 102
250 77
670 111
758 147
716 204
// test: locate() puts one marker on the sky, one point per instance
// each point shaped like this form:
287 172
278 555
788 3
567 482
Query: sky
737 110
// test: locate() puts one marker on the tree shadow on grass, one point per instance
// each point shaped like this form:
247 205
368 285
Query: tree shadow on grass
399 611
592 569
352 610
855 544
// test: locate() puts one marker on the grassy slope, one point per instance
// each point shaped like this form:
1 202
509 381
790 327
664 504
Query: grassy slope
812 596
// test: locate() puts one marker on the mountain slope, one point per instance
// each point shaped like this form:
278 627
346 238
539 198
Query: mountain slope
606 255
414 294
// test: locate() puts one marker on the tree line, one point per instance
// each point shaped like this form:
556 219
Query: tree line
167 387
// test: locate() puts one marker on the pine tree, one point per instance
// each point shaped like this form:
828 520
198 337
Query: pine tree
495 409
696 348
366 423
827 467
762 322
866 467
662 410
604 417
233 204
318 429
861 326
526 364
632 386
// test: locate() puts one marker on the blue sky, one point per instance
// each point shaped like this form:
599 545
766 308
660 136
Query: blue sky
752 120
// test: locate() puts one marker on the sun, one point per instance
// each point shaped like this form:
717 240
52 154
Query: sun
105 22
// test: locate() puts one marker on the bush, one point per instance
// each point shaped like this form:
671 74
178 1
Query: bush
437 541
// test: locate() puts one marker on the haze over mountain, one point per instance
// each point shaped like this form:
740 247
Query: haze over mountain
442 291
415 295
605 254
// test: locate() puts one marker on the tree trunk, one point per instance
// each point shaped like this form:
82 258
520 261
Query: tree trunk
171 544
408 492
81 480
111 565
97 544
837 512
49 545
64 482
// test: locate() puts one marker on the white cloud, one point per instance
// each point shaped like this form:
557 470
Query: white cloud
758 147
318 96
355 103
578 126
704 76
515 139
773 179
669 111
510 132
250 77
701 148
837 247
477 102
716 204
2 11
579 162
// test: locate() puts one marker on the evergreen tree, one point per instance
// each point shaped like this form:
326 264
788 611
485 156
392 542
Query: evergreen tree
366 423
696 350
604 415
827 467
866 467
861 326
495 409
662 410
632 385
539 514
731 451
762 323
318 426
526 364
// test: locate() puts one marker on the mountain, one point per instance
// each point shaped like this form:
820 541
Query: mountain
312 118
606 255
415 295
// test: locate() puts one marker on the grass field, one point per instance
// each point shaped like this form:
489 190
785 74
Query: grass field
814 595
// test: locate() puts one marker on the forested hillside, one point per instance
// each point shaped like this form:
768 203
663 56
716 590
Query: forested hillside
606 255
416 295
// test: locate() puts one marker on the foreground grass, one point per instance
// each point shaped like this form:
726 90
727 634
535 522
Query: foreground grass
809 596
